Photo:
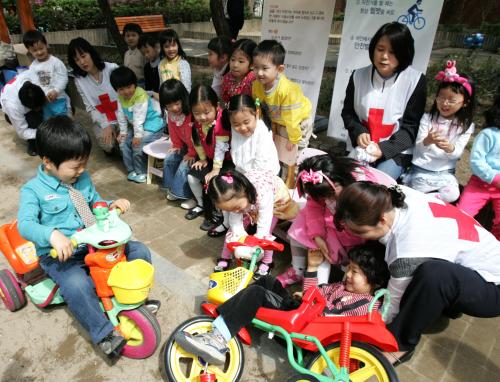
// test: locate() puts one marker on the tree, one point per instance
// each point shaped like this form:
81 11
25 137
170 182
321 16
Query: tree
112 27
219 20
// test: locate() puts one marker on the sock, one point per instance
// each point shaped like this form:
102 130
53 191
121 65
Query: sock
299 257
196 189
220 326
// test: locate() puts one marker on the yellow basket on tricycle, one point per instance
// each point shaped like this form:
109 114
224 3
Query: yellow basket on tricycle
131 281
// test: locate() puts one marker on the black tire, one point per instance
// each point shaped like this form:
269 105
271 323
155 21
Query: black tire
383 362
11 294
233 366
302 378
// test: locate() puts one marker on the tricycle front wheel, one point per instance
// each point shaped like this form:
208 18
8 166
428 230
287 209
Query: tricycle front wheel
367 363
10 291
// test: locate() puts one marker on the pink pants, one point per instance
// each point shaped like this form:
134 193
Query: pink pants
476 194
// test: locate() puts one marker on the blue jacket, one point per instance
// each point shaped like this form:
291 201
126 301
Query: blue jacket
485 154
45 205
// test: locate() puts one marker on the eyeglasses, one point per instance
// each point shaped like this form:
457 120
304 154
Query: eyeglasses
450 102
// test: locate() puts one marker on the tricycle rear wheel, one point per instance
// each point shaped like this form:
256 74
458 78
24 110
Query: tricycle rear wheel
10 291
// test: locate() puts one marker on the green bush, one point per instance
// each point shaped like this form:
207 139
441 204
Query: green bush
490 29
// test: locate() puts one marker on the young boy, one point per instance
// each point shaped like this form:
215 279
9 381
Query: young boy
290 109
49 73
150 49
23 103
367 272
144 113
219 51
48 217
133 58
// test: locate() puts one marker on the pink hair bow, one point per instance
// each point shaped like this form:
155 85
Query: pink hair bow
227 178
311 176
449 74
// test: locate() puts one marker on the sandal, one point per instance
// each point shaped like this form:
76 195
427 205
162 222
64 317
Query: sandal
214 232
207 225
220 267
193 213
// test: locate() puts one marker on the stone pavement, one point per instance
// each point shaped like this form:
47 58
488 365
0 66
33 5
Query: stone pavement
48 345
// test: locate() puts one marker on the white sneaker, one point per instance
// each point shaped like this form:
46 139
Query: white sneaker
188 204
209 346
171 196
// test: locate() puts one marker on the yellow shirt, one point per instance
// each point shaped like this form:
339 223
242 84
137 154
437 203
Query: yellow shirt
169 69
287 104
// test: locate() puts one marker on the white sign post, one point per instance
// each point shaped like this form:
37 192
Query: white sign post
362 19
303 27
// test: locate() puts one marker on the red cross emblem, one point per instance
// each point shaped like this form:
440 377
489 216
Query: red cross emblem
374 124
107 107
466 224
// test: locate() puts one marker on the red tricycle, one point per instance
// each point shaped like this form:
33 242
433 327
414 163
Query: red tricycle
122 286
339 348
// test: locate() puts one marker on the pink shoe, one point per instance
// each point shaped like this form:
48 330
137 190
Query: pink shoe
289 277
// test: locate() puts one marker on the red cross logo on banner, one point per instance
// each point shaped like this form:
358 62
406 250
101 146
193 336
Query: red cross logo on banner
466 224
374 124
107 107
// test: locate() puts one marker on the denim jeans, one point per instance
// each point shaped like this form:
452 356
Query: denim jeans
78 289
175 172
391 168
134 158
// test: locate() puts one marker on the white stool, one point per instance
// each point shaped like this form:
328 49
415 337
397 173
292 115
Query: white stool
156 150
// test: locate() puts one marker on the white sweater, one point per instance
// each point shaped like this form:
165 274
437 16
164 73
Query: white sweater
50 75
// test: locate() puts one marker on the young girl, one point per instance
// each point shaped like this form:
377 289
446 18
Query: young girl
252 146
484 185
440 259
249 199
442 136
240 77
92 82
211 142
322 178
367 272
174 98
219 51
174 63
385 101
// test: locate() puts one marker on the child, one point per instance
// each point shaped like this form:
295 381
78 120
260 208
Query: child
174 63
92 82
144 113
367 272
49 73
290 108
322 178
484 185
252 146
219 51
23 103
442 136
133 58
174 98
49 213
240 77
211 141
149 47
249 199
384 101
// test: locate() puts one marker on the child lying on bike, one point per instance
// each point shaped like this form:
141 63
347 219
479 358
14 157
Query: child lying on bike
367 272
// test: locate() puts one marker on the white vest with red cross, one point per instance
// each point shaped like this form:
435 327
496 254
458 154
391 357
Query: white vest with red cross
429 227
380 103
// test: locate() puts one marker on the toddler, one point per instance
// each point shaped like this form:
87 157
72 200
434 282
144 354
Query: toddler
133 58
149 47
174 63
143 113
219 51
240 77
366 272
442 136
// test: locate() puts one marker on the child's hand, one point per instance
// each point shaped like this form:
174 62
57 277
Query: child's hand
376 153
290 146
322 247
173 150
363 140
136 142
297 296
189 160
445 145
432 138
61 244
121 138
211 174
52 95
314 259
198 165
122 204
107 135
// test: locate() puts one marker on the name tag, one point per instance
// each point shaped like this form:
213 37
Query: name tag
52 197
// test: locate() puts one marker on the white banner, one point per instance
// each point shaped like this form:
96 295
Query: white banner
303 27
362 20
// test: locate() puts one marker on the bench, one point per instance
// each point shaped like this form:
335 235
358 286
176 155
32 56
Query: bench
149 23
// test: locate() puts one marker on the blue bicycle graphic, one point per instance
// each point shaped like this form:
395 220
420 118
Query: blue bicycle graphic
417 20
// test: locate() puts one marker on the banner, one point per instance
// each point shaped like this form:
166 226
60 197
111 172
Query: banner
303 27
362 20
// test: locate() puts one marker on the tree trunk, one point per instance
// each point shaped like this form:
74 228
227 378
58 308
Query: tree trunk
112 28
4 30
220 24
25 15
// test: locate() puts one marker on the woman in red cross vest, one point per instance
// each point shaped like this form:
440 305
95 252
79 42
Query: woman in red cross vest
440 259
384 102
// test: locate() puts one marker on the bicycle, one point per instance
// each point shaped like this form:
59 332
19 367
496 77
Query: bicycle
418 21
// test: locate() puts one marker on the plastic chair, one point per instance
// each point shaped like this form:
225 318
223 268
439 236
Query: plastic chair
156 152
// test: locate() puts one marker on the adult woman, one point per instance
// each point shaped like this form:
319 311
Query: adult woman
440 259
385 100
92 81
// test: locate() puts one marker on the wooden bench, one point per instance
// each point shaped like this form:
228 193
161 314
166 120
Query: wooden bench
149 23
